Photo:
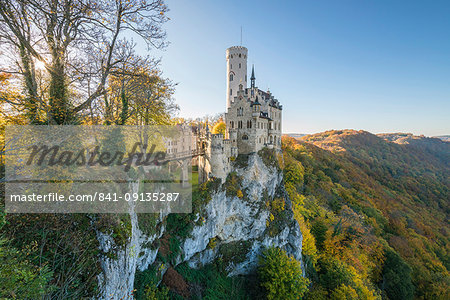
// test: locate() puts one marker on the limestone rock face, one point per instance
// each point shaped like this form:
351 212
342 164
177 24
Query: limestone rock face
230 220
236 228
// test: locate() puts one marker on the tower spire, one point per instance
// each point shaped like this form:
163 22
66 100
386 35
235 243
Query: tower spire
252 78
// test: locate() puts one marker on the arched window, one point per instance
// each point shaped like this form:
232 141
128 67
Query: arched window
245 137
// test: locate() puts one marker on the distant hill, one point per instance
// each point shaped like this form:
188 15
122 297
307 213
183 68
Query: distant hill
362 193
445 138
296 135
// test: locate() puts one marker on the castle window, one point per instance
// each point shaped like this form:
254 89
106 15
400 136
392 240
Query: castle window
231 66
231 92
239 55
231 124
245 137
231 77
245 77
239 65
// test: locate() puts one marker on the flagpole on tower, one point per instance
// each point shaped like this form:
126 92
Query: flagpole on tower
241 35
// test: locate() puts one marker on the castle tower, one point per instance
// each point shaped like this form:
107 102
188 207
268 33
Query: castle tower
236 71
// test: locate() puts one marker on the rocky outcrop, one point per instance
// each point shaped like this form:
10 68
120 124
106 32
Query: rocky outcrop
235 226
231 219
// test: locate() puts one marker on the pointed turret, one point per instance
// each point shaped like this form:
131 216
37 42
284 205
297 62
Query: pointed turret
252 78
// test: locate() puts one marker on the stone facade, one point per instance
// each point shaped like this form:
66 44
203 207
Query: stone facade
253 120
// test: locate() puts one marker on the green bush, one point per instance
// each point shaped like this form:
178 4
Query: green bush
145 285
281 275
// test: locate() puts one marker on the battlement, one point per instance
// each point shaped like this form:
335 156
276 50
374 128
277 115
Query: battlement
237 49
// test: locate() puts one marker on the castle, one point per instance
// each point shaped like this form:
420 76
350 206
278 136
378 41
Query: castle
252 118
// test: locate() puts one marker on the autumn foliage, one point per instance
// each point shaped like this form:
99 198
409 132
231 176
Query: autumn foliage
373 212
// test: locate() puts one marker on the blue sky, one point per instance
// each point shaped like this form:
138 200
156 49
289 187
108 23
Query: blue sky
380 66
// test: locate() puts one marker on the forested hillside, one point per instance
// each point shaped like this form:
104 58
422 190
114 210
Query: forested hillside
373 211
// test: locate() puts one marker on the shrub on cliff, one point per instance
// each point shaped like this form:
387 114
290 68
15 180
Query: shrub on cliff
281 275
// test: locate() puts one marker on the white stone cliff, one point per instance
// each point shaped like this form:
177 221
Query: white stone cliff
229 220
